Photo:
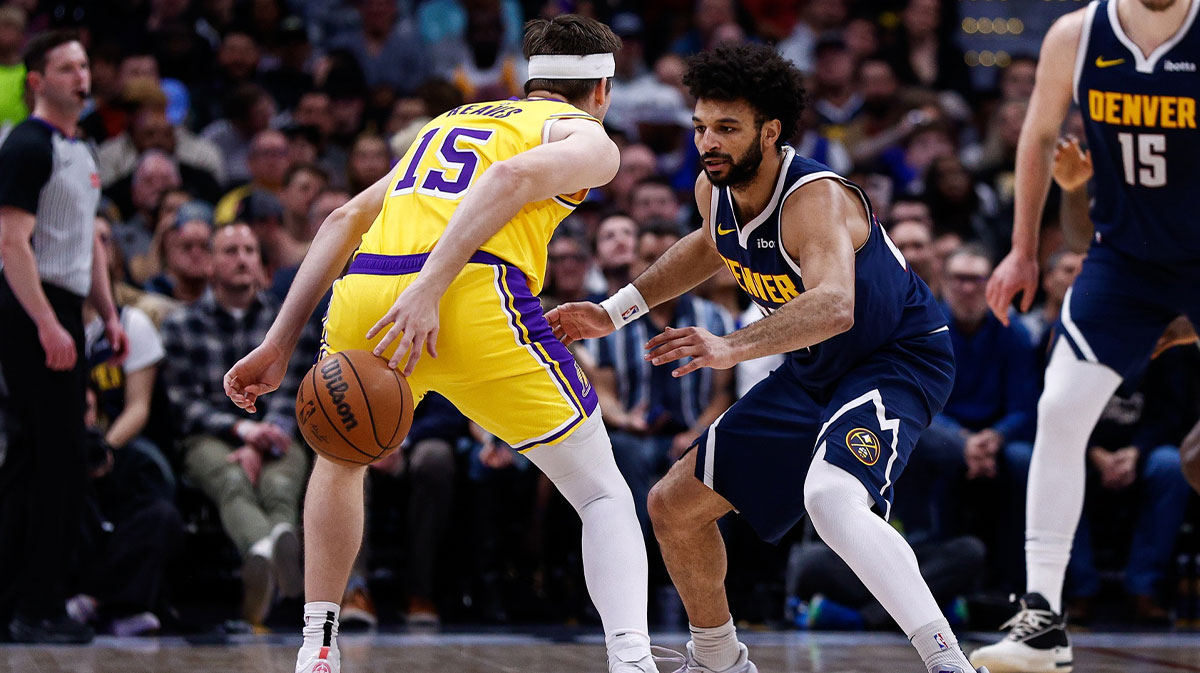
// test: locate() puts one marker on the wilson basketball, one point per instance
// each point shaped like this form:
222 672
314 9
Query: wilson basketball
353 408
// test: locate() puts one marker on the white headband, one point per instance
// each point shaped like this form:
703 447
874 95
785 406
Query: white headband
592 66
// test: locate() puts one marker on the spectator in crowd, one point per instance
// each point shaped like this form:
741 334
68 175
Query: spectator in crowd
155 175
997 160
885 119
253 470
1057 277
268 163
301 185
923 53
135 71
958 204
1015 80
221 93
53 265
265 215
653 198
248 113
382 42
818 17
615 248
833 598
155 306
654 417
480 65
290 75
1135 486
908 208
710 16
914 240
836 100
133 529
568 261
12 68
187 255
812 144
637 163
201 167
324 204
981 435
426 463
370 160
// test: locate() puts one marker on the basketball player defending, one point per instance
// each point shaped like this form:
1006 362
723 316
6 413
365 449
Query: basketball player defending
1134 78
869 362
452 256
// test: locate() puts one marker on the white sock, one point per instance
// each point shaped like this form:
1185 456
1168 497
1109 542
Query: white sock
840 509
627 646
583 469
936 644
1075 395
321 624
715 648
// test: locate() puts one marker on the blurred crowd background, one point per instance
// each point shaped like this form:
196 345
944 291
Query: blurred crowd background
226 130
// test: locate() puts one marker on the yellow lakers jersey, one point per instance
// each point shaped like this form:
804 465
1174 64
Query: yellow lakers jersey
451 152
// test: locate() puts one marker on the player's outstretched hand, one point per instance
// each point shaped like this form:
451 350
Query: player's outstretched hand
414 319
578 320
705 348
1072 166
258 373
1017 273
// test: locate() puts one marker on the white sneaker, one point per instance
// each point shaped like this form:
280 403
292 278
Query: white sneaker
1037 642
320 660
689 665
285 558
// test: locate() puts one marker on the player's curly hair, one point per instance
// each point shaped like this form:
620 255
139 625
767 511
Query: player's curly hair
755 73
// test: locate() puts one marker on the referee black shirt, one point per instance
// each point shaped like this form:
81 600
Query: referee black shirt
54 177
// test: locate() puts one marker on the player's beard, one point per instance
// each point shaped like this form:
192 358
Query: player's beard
1158 5
742 170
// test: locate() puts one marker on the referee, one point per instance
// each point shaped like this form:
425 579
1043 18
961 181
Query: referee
52 264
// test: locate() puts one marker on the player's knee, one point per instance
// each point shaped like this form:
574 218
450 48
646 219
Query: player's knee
667 506
829 490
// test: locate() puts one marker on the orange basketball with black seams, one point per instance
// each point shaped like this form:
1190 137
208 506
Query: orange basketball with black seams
353 409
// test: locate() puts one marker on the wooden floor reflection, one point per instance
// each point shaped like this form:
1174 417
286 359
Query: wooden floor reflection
523 653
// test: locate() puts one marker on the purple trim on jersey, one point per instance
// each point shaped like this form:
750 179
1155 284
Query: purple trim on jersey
534 323
373 264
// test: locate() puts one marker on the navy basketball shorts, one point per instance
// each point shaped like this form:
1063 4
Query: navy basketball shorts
1119 306
756 455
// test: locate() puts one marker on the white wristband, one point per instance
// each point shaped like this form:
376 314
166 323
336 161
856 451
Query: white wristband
625 306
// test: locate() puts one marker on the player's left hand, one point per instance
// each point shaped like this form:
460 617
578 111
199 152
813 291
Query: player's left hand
415 316
705 348
115 334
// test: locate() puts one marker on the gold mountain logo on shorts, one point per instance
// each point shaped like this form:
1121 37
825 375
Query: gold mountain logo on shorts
864 445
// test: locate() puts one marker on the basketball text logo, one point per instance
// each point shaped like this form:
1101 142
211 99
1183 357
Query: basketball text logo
331 372
864 445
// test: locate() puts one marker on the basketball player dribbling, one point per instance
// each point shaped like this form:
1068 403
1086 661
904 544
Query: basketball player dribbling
1134 79
452 256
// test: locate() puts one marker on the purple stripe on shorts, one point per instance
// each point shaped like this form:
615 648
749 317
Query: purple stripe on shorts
531 317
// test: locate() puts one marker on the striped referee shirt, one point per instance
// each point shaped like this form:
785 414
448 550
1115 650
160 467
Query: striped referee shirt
53 177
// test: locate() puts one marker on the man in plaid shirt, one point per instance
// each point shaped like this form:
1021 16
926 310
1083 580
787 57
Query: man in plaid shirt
254 470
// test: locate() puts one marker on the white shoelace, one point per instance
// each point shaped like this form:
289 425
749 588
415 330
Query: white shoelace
1027 622
668 656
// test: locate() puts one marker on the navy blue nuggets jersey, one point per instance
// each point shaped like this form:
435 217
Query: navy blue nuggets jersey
1140 117
890 303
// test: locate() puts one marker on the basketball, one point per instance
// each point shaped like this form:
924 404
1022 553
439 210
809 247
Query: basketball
353 409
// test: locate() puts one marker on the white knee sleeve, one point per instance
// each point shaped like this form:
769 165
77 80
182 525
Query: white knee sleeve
1075 395
840 508
614 553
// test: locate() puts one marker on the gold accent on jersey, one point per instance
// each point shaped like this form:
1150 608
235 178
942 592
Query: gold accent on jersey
1146 110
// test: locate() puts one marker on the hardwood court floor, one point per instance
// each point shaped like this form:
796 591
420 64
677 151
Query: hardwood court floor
509 653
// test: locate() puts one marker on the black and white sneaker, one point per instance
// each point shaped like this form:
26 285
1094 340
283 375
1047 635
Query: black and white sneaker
1037 642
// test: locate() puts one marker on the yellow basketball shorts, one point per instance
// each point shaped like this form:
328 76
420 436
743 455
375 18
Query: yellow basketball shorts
498 360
